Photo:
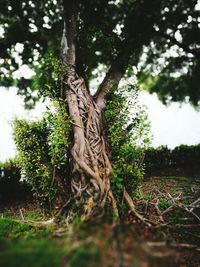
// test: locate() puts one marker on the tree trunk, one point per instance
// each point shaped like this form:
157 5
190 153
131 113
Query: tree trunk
90 163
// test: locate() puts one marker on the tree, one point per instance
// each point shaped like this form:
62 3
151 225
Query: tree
112 33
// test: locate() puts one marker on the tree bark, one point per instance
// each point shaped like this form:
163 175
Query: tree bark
91 167
90 162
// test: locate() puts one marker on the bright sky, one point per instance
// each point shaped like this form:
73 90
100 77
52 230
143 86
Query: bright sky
171 126
11 106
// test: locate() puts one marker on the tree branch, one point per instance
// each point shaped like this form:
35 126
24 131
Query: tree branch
139 15
186 48
68 42
114 75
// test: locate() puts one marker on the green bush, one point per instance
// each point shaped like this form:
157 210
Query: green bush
11 186
10 170
163 157
31 142
128 132
43 152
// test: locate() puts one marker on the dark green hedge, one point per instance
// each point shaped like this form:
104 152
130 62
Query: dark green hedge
11 188
163 157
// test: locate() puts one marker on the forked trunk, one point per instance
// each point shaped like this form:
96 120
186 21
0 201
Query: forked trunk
90 165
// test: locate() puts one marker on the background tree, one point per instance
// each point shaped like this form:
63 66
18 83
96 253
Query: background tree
115 34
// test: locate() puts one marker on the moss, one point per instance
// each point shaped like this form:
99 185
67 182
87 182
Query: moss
23 245
11 229
164 204
85 256
6 226
34 253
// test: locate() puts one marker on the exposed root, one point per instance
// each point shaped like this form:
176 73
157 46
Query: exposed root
133 209
91 167
63 209
114 204
174 245
173 202
37 223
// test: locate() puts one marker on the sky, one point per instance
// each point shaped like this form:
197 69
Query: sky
11 106
171 126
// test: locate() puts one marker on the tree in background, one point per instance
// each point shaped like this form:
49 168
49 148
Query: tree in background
116 35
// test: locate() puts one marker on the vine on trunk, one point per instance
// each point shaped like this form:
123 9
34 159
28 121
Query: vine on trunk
91 166
86 159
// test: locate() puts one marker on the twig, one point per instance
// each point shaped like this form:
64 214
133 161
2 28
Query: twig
21 213
159 211
189 211
193 204
167 210
132 207
173 245
38 223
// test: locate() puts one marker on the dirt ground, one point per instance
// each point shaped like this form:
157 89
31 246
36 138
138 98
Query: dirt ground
168 234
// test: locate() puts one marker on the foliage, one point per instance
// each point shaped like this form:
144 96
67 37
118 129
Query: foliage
128 132
10 182
162 157
150 28
24 245
31 141
10 170
49 76
163 204
11 229
43 149
83 256
59 125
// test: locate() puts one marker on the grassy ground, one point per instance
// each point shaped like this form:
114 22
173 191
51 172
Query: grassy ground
169 237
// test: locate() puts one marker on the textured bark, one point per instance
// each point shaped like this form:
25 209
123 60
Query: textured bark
90 163
114 75
91 167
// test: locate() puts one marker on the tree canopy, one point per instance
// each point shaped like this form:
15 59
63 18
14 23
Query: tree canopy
161 39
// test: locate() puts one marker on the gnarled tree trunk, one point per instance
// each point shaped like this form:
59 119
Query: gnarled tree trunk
91 167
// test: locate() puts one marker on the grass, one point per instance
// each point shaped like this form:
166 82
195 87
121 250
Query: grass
84 256
12 229
27 246
164 204
22 245
32 253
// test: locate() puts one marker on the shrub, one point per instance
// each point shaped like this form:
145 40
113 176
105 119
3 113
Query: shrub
128 132
43 147
31 141
163 157
11 188
11 170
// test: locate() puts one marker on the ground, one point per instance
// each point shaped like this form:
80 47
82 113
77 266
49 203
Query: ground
169 235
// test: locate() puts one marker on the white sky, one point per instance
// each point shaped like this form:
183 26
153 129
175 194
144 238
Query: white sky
171 126
11 106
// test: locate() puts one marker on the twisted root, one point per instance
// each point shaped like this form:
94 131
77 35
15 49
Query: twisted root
91 171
